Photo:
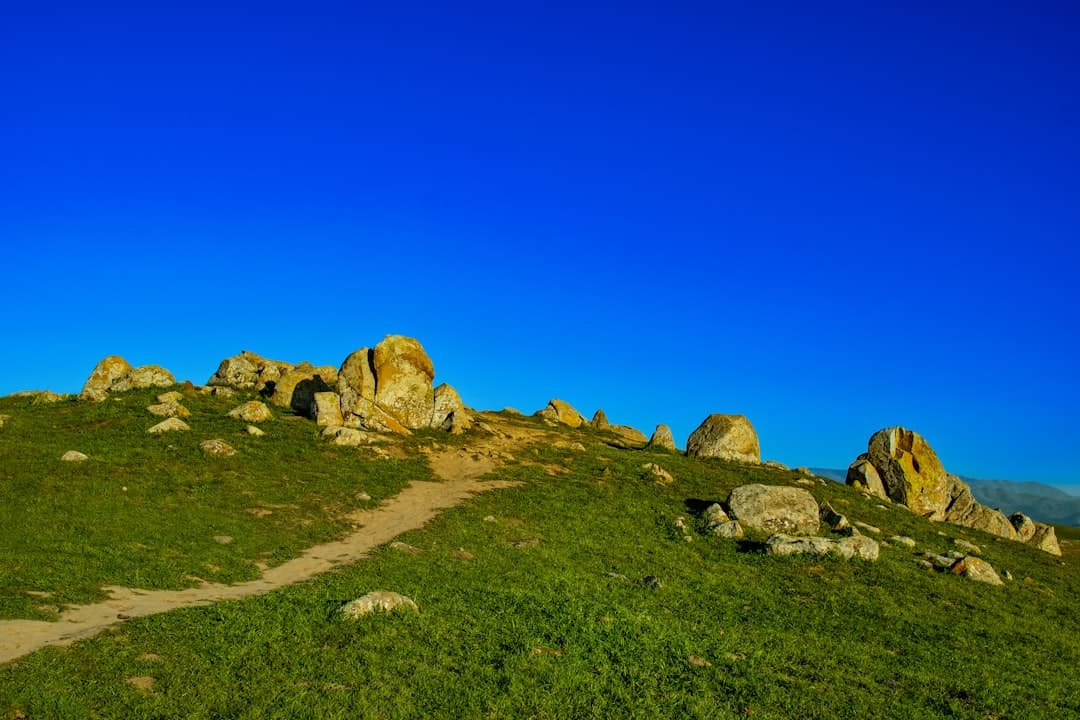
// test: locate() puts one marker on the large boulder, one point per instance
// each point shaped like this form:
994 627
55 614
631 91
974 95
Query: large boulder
662 438
446 402
625 437
910 471
296 388
248 371
104 374
403 373
115 374
965 510
729 437
563 412
356 383
775 508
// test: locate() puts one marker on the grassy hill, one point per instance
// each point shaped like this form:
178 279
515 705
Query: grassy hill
533 600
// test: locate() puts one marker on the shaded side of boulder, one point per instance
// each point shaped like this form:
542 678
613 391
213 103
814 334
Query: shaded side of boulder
729 437
775 508
662 438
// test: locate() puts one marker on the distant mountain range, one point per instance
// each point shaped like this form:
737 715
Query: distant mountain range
1040 502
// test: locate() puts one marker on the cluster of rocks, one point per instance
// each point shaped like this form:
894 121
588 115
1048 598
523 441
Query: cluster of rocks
115 374
900 465
793 517
957 563
623 437
387 388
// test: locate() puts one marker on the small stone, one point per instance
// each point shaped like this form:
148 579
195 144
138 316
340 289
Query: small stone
1006 575
252 411
223 539
169 409
217 448
254 431
867 527
170 397
74 456
348 437
657 474
926 564
730 529
977 569
698 661
379 600
902 540
171 425
805 481
967 546
405 548
490 518
715 515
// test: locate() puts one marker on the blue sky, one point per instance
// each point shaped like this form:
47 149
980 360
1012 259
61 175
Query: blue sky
830 217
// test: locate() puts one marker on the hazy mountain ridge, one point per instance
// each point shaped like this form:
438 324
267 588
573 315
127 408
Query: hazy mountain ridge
1042 502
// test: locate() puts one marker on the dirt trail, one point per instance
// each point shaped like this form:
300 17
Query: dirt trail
410 509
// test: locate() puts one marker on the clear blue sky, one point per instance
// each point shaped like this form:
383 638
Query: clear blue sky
831 217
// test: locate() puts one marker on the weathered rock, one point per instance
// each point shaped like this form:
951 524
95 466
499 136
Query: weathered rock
858 546
326 409
217 448
847 548
654 472
774 508
170 397
446 402
47 397
356 383
348 437
143 377
964 509
458 422
662 438
862 474
625 437
968 547
976 569
562 412
296 388
1024 526
599 420
170 425
251 412
910 471
867 527
403 373
74 456
169 409
254 431
729 437
730 529
775 465
379 600
902 540
104 374
1045 539
248 371
714 515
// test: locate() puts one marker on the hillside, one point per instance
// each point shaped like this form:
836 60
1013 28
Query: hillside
581 584
1041 502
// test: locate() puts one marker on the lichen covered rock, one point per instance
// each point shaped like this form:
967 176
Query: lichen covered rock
728 437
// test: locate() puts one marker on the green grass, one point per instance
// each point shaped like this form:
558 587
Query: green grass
562 627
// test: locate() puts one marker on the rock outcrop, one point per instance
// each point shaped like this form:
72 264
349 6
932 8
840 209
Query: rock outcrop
662 438
560 411
248 371
115 374
599 420
296 388
729 437
900 465
775 508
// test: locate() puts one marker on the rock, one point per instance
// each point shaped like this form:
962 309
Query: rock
143 377
1023 525
217 448
562 412
729 529
714 515
170 425
925 564
774 508
654 472
774 464
910 471
805 471
356 383
806 482
965 510
833 519
347 437
4 419
863 475
248 371
458 422
169 409
729 437
296 388
902 540
1045 539
858 546
170 397
74 456
251 412
941 562
447 403
326 409
867 527
1006 575
379 600
966 546
977 569
254 431
47 397
625 437
403 373
850 547
662 438
599 420
105 373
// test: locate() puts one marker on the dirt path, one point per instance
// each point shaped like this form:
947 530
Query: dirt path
410 509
